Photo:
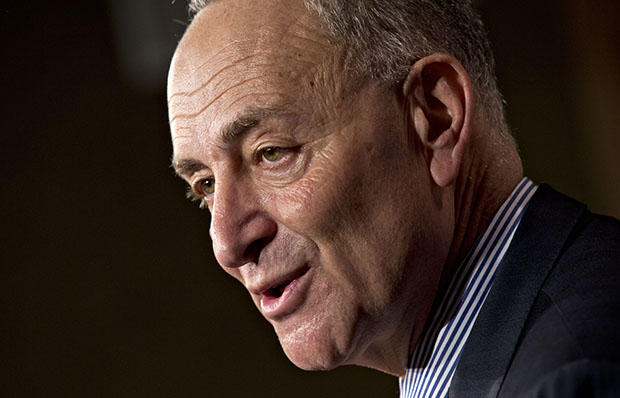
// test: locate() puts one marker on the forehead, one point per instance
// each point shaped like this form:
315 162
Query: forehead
229 30
240 53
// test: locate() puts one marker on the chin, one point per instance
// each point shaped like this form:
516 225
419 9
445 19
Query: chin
310 347
310 358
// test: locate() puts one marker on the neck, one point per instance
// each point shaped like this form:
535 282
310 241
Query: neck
490 173
488 176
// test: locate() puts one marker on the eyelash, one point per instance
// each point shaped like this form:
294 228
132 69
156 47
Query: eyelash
193 191
260 155
194 195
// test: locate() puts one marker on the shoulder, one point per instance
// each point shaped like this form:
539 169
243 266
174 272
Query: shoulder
578 379
570 340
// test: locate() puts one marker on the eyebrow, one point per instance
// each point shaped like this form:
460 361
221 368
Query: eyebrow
187 167
230 133
244 123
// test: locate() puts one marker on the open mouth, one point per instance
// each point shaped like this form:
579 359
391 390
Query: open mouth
285 296
276 291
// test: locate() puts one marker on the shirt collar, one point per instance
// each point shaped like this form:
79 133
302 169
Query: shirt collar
434 360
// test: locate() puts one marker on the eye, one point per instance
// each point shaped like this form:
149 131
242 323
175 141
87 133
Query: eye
206 187
272 153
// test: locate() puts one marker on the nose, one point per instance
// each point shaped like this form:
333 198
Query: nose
240 228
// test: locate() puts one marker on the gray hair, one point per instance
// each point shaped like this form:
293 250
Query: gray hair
381 40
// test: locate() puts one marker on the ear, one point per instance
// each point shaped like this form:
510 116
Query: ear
439 107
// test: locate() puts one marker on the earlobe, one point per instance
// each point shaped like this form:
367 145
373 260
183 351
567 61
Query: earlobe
439 95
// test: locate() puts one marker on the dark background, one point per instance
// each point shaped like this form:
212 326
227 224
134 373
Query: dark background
108 287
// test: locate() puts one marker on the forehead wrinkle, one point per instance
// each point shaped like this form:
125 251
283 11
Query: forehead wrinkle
309 66
191 93
268 41
182 116
235 130
184 136
304 65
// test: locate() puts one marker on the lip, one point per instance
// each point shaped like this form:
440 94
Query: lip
289 300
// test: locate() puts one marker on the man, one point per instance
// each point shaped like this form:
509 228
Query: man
365 189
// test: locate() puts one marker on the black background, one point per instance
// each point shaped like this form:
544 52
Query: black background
108 286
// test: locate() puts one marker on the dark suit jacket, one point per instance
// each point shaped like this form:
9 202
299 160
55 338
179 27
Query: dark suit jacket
550 326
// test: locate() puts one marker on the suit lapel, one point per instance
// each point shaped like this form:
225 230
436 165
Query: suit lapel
544 228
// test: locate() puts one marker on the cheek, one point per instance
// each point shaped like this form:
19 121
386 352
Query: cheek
333 205
347 188
320 203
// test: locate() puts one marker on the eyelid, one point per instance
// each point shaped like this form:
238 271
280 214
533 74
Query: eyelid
194 190
271 139
259 155
192 195
286 151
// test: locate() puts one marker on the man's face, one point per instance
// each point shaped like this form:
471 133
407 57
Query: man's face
321 205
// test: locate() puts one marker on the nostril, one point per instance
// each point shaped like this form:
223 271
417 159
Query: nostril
252 252
239 234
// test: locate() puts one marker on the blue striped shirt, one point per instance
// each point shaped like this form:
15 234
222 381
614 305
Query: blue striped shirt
436 356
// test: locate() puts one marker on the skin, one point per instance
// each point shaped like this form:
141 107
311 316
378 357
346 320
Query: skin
373 191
